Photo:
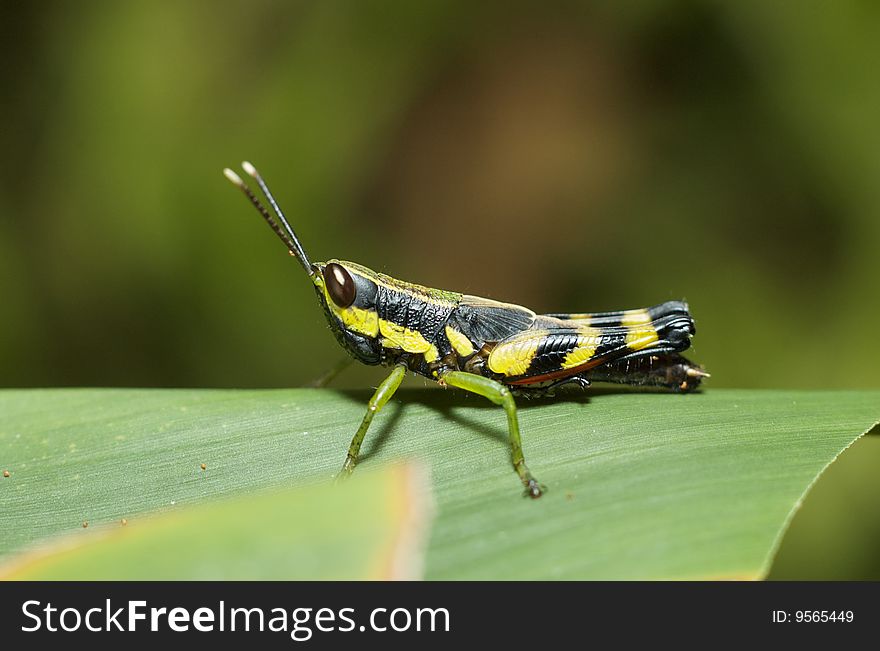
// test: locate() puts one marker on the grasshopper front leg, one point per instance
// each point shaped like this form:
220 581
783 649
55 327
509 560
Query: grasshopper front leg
383 394
500 395
331 373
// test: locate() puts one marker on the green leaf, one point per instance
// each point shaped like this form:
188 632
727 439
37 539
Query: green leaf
369 530
641 485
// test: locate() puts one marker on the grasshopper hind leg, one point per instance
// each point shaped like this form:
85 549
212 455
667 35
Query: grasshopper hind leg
500 395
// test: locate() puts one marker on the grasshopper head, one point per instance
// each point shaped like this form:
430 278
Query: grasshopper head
346 291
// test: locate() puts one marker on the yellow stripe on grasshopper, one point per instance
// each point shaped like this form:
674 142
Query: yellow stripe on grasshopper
460 343
514 357
402 338
588 341
641 337
640 333
635 318
356 319
432 354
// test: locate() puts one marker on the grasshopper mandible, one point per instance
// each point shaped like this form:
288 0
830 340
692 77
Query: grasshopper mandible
489 348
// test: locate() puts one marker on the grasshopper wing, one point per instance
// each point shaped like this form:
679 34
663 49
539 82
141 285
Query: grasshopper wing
483 320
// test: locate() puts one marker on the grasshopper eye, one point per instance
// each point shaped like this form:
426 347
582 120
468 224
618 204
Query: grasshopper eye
340 285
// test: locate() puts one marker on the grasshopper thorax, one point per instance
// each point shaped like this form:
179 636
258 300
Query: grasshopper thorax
379 319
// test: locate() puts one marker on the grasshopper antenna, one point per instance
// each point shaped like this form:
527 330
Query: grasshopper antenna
300 252
286 233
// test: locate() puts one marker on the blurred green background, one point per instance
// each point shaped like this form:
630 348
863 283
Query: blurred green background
568 156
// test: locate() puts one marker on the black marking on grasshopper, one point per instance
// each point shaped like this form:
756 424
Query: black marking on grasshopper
552 351
483 346
412 312
366 292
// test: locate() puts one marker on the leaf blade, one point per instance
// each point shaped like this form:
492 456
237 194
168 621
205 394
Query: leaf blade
642 485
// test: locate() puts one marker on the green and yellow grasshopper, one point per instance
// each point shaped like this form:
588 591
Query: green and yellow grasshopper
483 346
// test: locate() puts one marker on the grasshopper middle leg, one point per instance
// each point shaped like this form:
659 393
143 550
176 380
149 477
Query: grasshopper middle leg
500 395
383 394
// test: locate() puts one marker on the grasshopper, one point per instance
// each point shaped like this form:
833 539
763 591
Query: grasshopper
493 349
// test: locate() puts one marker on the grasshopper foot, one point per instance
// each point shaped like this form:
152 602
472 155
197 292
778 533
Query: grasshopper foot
347 469
534 489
